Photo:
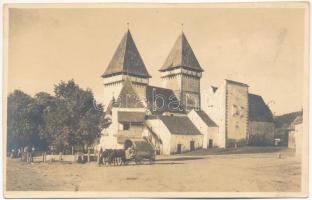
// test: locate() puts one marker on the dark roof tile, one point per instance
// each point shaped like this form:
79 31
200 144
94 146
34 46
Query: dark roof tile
206 118
181 55
160 100
258 110
179 125
126 116
126 60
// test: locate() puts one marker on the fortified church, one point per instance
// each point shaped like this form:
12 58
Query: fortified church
176 117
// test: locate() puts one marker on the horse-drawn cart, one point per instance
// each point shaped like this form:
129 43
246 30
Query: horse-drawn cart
134 150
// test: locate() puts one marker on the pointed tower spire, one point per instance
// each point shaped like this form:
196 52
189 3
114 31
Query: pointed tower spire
126 60
181 55
184 70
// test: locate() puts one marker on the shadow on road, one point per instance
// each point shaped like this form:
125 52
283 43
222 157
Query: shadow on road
179 159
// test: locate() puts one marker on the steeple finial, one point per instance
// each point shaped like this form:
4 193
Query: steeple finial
182 27
128 26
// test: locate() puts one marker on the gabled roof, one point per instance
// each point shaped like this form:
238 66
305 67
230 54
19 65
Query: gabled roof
129 116
298 120
206 118
126 60
128 98
258 110
181 55
179 125
284 121
160 100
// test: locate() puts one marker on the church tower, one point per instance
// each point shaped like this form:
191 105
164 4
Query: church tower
181 73
126 65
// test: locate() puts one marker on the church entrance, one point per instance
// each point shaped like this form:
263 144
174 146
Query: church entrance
179 148
210 145
192 146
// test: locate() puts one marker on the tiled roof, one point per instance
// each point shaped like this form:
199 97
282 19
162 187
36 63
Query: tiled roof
258 110
126 60
128 98
179 125
160 100
206 118
285 121
181 55
129 116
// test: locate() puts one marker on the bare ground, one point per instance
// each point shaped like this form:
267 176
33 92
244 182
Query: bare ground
259 172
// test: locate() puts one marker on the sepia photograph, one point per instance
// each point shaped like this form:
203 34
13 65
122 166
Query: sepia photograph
156 100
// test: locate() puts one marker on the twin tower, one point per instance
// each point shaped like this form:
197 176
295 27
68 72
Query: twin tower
181 72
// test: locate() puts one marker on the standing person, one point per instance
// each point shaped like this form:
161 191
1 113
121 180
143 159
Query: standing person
18 152
32 154
100 156
26 153
12 153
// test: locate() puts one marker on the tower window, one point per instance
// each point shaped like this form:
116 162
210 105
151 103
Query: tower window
126 126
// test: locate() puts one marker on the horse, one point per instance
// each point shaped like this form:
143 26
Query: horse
113 156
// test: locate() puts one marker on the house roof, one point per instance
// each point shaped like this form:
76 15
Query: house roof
258 110
126 60
298 120
181 55
179 125
206 118
160 100
128 98
126 116
285 121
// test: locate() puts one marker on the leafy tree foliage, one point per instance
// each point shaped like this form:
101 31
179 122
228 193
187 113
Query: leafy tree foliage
70 118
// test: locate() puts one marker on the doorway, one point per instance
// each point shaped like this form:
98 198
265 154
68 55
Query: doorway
179 148
210 144
192 146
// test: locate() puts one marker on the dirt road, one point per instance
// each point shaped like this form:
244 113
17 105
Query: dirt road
209 173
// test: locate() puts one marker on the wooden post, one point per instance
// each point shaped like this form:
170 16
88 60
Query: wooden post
88 155
28 157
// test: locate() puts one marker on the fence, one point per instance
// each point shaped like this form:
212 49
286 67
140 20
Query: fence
44 157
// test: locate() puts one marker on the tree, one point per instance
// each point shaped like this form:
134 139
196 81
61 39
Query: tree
75 120
70 118
21 120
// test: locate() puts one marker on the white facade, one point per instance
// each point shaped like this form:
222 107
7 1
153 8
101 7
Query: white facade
166 142
114 84
109 137
211 136
228 107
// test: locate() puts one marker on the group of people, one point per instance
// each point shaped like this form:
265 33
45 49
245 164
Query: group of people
26 153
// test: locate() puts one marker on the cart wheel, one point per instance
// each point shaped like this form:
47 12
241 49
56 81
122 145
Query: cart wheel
138 161
119 161
151 161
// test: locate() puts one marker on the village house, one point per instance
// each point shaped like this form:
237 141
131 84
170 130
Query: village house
261 126
295 139
208 128
176 117
282 124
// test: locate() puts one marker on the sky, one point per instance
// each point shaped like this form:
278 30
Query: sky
262 47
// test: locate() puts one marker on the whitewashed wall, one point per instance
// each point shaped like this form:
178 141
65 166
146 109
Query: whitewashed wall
185 141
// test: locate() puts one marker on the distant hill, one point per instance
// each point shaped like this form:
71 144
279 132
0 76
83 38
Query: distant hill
284 121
